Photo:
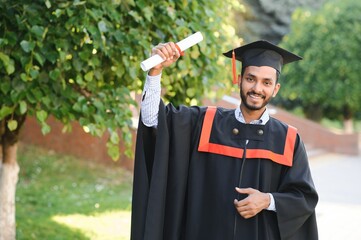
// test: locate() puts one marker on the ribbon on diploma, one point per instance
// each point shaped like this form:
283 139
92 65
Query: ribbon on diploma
179 50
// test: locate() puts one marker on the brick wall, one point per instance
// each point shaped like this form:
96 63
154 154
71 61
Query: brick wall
317 136
77 143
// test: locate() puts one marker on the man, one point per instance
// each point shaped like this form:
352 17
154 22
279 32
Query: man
213 173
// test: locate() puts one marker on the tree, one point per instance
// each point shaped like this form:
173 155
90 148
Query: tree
79 61
326 82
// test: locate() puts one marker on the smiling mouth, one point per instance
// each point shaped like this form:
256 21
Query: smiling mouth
256 96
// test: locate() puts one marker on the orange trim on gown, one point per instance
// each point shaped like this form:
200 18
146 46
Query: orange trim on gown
205 146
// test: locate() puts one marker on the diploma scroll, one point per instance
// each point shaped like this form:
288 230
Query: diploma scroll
183 45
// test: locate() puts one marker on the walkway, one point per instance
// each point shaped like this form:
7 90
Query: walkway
338 181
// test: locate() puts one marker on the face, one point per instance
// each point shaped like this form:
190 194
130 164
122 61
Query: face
258 86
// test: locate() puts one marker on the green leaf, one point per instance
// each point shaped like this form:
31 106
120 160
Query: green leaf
148 13
78 3
34 73
77 64
41 115
85 55
129 153
52 56
98 104
27 46
24 77
38 94
8 63
95 62
46 101
10 68
113 151
40 58
136 16
48 4
4 58
102 26
89 76
54 74
5 111
23 107
85 109
131 2
12 125
38 31
31 98
79 80
141 4
114 137
190 92
58 12
77 107
45 128
3 42
5 86
67 128
62 56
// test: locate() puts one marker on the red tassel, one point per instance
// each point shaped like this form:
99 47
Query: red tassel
234 68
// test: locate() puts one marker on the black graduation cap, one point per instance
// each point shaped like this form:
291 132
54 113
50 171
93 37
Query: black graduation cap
260 53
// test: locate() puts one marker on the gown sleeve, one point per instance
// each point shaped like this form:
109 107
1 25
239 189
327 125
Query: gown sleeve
160 173
296 199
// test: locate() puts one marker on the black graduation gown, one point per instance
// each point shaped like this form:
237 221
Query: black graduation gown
180 192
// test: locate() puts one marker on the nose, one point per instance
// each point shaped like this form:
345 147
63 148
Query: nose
257 87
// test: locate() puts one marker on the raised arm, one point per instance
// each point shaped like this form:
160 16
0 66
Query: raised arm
152 86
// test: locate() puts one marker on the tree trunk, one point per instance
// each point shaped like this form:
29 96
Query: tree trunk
9 171
313 112
347 119
348 125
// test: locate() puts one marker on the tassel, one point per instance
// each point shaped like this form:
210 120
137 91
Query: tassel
234 68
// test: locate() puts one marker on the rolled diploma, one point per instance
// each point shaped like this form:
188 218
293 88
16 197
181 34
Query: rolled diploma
183 45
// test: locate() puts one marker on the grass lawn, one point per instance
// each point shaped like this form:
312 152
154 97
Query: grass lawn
61 197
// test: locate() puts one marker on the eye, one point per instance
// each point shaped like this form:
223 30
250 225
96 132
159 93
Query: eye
268 83
249 79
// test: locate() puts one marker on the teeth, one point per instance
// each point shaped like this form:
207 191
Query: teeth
255 96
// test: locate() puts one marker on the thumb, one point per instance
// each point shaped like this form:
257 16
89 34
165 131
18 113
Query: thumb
245 190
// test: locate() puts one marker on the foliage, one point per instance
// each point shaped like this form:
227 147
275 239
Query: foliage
53 185
327 79
79 60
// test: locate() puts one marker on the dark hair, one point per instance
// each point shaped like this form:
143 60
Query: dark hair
277 73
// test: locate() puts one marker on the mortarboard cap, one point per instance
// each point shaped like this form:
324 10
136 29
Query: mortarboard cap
261 53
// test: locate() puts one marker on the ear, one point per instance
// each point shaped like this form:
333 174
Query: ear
239 80
277 88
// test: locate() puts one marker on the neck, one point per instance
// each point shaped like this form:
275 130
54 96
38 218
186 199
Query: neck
250 115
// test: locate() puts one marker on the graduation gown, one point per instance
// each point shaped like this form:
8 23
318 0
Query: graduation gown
187 169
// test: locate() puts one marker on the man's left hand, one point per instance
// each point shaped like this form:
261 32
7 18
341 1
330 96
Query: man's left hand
255 202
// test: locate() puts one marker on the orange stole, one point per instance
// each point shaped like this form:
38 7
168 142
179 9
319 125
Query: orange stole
205 146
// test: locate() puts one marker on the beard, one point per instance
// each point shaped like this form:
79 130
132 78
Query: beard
250 106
